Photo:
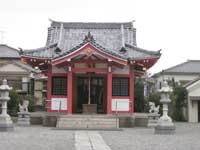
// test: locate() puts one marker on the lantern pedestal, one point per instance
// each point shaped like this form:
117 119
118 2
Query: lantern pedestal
6 123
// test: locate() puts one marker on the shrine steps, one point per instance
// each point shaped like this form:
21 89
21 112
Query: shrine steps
87 122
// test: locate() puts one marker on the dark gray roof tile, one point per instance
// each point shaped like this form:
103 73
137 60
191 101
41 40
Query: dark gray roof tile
8 52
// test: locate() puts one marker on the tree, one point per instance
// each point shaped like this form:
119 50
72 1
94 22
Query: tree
139 95
179 98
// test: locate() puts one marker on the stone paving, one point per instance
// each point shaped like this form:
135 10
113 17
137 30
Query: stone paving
37 138
187 137
43 138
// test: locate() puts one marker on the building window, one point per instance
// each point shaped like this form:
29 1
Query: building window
59 86
120 87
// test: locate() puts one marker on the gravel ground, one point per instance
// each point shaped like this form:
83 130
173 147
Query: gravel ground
37 138
186 138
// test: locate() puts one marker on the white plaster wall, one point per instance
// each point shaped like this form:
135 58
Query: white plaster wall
116 70
58 70
120 105
192 111
11 68
193 90
59 103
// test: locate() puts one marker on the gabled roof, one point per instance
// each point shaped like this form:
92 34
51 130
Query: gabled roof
8 52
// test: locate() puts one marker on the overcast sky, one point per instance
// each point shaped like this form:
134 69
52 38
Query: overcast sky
170 25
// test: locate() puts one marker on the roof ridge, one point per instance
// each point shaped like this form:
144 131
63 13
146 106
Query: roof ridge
91 22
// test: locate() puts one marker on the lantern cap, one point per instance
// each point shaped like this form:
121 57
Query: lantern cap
5 86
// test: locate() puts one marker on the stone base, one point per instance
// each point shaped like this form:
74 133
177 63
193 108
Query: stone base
23 119
23 122
6 123
152 123
152 119
165 130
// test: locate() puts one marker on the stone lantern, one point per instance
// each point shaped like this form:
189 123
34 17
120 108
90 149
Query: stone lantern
6 123
165 124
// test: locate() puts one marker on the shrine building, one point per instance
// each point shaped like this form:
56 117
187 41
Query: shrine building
91 67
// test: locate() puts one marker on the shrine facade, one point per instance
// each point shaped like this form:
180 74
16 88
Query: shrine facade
91 67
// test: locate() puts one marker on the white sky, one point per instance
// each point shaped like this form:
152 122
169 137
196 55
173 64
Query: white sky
170 25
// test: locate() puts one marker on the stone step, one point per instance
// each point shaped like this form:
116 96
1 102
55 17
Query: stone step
87 122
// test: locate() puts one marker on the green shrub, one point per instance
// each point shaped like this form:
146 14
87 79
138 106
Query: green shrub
178 97
13 103
139 96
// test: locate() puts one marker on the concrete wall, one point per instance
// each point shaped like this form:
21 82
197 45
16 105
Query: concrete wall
177 78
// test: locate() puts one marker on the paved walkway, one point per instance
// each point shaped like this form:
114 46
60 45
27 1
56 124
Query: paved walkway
89 140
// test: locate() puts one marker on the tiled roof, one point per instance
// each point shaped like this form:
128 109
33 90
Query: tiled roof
131 52
8 52
139 53
93 43
107 37
43 52
190 66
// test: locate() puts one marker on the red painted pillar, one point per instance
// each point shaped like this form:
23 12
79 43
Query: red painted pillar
131 88
69 90
109 90
49 84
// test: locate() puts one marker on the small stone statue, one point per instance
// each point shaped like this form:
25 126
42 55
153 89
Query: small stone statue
24 106
153 108
23 114
153 114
